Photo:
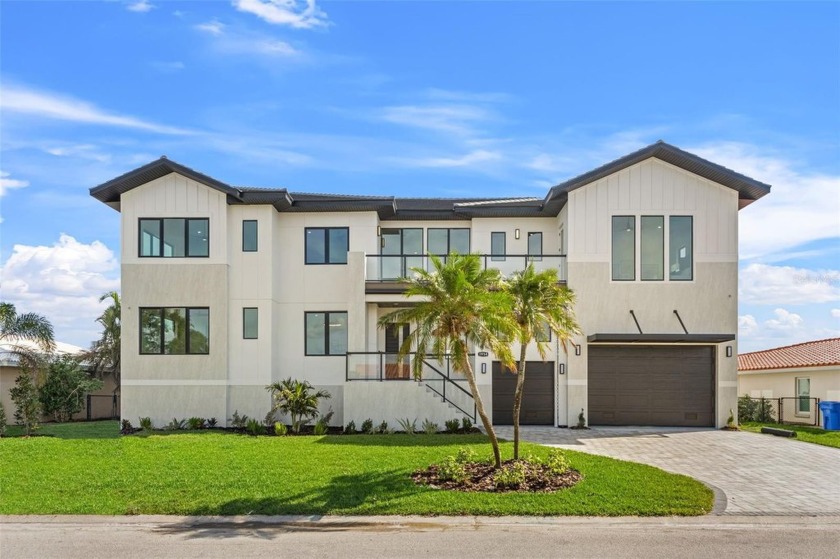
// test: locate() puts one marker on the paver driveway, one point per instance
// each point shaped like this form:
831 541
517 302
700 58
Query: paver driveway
759 474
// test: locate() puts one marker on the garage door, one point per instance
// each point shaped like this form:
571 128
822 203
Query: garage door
651 385
537 398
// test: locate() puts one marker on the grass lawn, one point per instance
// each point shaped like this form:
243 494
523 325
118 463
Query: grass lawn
803 433
204 473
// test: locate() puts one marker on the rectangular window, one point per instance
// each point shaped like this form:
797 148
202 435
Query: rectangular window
442 242
680 237
327 245
653 247
623 248
250 323
498 242
326 333
534 246
249 235
174 330
174 237
803 393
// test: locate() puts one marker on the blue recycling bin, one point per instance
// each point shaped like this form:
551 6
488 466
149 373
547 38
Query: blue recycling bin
831 415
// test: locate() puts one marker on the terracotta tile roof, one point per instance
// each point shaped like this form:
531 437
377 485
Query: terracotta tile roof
819 353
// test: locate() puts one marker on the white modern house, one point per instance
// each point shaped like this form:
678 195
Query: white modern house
227 289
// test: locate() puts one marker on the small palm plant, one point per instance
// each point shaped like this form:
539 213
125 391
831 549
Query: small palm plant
298 399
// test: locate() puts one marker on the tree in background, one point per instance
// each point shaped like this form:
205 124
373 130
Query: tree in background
104 354
28 327
65 388
25 396
539 304
457 304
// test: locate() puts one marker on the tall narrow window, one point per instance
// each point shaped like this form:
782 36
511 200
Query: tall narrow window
249 235
498 247
174 330
803 395
653 247
326 333
623 248
681 248
250 323
534 246
327 245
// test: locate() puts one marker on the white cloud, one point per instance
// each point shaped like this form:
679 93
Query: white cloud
785 321
82 151
212 27
454 119
803 206
17 99
140 7
835 313
289 13
747 325
763 284
239 42
7 183
63 282
473 158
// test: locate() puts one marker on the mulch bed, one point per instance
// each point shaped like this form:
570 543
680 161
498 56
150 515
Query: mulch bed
480 478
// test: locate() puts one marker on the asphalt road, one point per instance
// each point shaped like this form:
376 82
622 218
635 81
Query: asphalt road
466 538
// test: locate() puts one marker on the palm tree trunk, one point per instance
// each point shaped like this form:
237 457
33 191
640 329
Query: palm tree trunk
479 406
517 399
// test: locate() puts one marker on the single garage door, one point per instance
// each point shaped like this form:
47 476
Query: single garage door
537 398
651 385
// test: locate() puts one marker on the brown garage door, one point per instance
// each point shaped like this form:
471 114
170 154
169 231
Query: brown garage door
651 385
537 398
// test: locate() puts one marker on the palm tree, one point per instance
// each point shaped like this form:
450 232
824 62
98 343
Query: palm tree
539 303
104 354
28 327
457 304
296 398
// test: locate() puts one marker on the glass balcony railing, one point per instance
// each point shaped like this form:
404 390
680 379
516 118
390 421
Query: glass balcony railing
389 268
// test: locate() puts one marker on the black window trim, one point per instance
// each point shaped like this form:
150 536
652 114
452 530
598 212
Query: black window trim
326 246
528 246
664 267
256 222
691 220
187 341
502 257
449 237
612 247
187 220
244 310
326 334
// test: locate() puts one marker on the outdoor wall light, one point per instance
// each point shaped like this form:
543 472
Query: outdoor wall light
484 368
729 351
378 230
562 368
516 233
577 349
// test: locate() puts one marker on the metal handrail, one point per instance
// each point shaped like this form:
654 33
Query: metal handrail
489 261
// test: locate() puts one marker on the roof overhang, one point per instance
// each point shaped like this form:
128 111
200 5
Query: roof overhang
660 338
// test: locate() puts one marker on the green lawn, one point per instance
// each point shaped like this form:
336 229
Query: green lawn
214 473
803 433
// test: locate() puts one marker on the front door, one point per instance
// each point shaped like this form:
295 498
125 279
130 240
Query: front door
395 335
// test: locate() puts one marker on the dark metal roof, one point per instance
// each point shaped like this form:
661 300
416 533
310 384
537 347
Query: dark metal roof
661 338
748 189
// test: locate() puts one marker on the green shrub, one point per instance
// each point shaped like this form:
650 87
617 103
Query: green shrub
430 427
581 424
254 428
408 425
25 397
126 427
383 428
452 425
298 399
765 412
450 469
467 424
146 423
510 475
280 429
238 421
320 429
466 455
350 428
195 423
367 427
65 389
557 463
176 424
211 423
2 420
756 409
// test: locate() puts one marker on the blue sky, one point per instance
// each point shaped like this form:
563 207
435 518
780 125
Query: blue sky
416 98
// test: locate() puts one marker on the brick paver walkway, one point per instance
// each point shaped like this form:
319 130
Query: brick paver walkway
759 474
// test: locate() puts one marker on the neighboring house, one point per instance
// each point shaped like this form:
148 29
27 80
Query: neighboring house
227 289
102 403
799 374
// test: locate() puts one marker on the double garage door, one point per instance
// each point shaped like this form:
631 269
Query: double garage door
651 385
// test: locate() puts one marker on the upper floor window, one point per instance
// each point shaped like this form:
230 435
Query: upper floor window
174 330
535 246
174 237
681 241
498 246
652 247
327 245
623 247
249 235
445 241
250 323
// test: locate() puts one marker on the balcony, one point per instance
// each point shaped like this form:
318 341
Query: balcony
384 271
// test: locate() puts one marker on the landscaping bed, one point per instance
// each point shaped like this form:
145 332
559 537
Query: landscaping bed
481 476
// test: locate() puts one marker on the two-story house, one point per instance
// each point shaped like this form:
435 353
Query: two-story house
228 289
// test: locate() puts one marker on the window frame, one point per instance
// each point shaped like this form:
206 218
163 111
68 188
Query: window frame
256 335
449 239
641 249
326 353
162 310
691 221
612 247
533 258
799 412
256 235
326 231
160 221
496 257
